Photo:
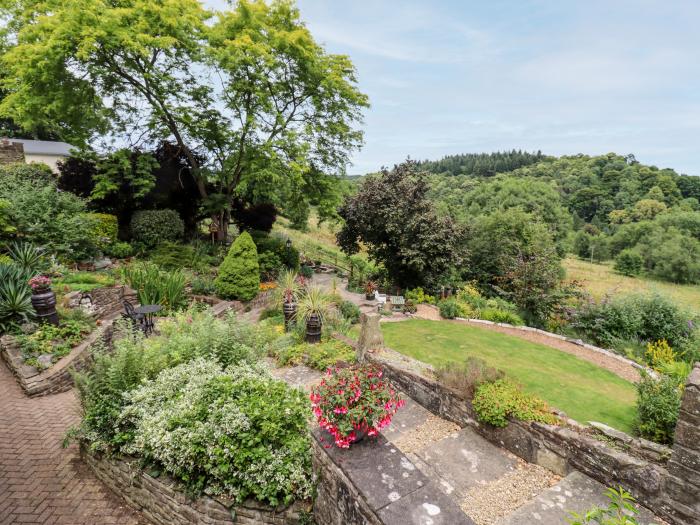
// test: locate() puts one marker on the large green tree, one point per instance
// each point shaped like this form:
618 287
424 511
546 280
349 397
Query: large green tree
250 98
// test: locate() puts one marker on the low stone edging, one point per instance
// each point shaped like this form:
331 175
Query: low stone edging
58 378
665 480
163 502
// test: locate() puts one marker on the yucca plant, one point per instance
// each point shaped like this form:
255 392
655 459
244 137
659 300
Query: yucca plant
288 286
15 303
25 255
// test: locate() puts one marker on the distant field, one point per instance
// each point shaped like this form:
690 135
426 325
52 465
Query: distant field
601 279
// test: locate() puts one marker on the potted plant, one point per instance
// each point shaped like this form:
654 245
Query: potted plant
43 299
313 309
370 288
351 403
289 286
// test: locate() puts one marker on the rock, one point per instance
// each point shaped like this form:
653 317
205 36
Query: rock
100 264
28 328
44 361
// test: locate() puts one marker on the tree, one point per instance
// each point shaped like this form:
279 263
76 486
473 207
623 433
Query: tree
392 216
248 89
239 274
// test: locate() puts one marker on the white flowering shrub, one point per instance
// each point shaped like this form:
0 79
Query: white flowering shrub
237 432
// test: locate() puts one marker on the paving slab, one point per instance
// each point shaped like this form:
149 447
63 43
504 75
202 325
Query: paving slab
406 419
464 459
576 492
298 376
426 506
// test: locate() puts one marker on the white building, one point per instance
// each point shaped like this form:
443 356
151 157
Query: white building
46 151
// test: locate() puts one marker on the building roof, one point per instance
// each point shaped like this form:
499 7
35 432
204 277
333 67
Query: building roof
45 147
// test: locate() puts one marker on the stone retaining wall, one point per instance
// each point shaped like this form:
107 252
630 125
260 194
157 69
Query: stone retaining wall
163 502
664 480
59 377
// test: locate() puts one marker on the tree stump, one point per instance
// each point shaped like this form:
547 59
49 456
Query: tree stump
370 335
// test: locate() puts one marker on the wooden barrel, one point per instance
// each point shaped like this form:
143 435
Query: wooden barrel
313 329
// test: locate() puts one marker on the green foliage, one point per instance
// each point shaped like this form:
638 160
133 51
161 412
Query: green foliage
274 255
629 262
156 286
104 229
643 318
658 406
270 266
495 402
26 256
451 308
239 274
418 296
238 433
173 256
620 511
306 271
15 296
482 164
152 227
7 227
44 215
313 301
467 376
119 250
497 315
56 341
659 354
83 281
124 167
321 356
203 285
393 217
349 311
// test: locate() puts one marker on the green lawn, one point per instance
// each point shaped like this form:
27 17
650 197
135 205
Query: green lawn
579 388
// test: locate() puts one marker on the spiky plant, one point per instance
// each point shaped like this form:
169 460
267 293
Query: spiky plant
314 301
288 286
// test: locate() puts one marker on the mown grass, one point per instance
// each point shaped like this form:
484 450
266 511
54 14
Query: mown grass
600 280
583 390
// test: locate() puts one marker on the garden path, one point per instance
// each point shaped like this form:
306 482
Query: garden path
40 481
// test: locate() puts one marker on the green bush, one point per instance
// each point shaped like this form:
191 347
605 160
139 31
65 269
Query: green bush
466 377
56 341
270 266
644 318
119 250
15 296
202 285
451 308
658 405
174 256
156 286
306 271
44 215
500 316
104 229
277 245
350 311
495 402
239 274
629 262
152 227
238 433
418 296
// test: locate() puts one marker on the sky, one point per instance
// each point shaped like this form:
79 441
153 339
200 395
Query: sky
565 77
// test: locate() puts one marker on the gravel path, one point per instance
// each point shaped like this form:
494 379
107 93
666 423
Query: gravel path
434 429
486 505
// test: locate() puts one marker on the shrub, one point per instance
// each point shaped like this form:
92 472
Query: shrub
270 265
201 285
501 316
658 405
629 262
306 271
495 402
156 286
237 433
173 255
15 296
56 341
239 274
418 296
466 377
103 230
152 227
119 250
620 511
659 354
451 308
277 245
644 318
352 400
350 311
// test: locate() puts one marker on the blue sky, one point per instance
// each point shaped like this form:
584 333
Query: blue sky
565 77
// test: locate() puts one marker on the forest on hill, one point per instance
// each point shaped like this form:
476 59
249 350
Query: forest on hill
597 207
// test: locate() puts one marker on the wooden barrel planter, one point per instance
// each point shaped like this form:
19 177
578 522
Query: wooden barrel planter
44 302
313 329
290 315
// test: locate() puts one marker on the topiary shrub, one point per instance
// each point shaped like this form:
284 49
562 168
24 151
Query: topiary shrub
239 274
629 262
152 227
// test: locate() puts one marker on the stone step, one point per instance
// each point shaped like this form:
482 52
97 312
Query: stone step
576 492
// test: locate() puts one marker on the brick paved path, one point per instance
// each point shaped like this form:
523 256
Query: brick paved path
40 482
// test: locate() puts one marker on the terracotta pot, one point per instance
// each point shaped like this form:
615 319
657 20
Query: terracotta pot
313 329
290 315
44 302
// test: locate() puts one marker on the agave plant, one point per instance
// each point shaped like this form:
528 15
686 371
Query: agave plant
25 255
15 300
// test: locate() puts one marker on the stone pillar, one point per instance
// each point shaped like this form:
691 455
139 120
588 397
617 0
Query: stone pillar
683 486
370 335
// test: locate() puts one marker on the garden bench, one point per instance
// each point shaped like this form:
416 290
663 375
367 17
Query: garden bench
397 302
